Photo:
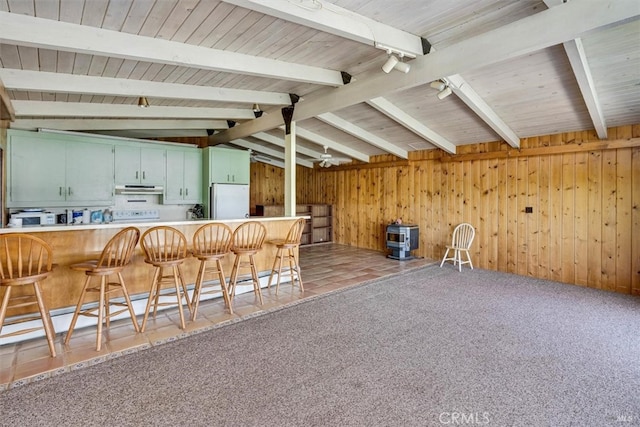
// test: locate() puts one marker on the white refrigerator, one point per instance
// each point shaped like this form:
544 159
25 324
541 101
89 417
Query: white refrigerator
229 201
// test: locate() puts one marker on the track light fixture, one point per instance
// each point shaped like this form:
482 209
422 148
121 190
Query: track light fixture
442 87
393 63
256 108
142 102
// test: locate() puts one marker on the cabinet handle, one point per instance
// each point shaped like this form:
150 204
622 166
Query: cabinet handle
69 190
144 175
60 191
233 178
181 191
186 191
136 174
228 177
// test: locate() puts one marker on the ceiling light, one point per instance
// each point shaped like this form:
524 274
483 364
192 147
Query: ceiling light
444 93
438 85
142 102
393 63
256 108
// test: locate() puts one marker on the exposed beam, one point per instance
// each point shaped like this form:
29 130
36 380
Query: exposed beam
334 145
83 109
470 97
117 124
362 134
6 108
39 81
25 30
271 139
580 66
268 151
562 23
332 19
582 71
155 133
395 113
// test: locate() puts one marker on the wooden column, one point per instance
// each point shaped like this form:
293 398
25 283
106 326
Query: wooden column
289 162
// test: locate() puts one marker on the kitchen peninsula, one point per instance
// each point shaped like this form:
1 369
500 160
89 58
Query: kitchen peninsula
76 243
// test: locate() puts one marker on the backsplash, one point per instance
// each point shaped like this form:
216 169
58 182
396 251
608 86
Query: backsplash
133 202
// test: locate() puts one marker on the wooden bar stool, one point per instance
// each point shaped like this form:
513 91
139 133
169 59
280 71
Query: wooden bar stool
25 260
286 249
248 239
116 255
211 243
165 248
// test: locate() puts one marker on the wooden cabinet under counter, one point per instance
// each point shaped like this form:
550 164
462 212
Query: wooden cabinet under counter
74 244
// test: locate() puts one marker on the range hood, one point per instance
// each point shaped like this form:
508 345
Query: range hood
139 189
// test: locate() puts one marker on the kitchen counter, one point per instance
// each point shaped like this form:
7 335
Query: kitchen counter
77 243
123 224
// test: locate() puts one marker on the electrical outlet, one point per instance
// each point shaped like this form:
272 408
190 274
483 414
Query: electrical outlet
528 209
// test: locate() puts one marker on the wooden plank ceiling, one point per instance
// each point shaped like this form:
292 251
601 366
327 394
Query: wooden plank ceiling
516 69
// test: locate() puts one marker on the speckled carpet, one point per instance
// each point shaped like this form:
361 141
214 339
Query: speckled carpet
428 348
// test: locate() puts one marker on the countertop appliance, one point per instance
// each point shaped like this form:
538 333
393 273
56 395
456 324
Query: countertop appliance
229 201
35 217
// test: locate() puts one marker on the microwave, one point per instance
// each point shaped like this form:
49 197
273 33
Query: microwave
36 218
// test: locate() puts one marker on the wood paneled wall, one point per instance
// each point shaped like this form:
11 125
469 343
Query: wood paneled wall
585 195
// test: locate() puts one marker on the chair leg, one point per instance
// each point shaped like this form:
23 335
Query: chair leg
234 276
101 312
195 300
444 258
469 258
280 255
176 279
125 292
153 292
185 293
5 304
46 319
254 277
76 313
223 285
296 265
273 269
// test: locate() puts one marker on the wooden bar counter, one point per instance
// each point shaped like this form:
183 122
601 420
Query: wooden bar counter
76 243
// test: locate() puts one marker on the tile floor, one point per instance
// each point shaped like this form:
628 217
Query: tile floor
325 268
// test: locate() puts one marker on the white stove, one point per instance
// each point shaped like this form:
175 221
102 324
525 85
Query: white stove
136 214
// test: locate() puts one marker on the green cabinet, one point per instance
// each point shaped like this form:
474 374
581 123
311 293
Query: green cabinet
139 165
184 176
45 170
228 166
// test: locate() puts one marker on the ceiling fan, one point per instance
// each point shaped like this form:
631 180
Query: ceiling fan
327 160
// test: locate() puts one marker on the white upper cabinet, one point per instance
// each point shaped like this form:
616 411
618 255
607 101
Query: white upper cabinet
184 176
139 165
227 166
46 170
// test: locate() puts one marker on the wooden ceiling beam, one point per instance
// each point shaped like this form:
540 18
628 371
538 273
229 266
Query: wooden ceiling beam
7 113
387 108
565 22
118 124
341 22
25 30
363 134
40 81
84 109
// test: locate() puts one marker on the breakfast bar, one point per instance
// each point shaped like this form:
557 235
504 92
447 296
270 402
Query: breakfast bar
72 244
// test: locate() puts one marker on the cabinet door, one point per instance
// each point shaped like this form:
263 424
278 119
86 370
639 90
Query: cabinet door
192 176
36 172
174 189
230 166
152 166
90 176
240 167
127 164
